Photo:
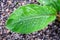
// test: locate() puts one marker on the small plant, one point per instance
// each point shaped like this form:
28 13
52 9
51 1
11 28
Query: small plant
33 17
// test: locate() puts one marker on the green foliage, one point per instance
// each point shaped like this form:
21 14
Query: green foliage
30 18
53 3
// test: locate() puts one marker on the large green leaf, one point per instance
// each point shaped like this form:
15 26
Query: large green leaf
54 3
30 18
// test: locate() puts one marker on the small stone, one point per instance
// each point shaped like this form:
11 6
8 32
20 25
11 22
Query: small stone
7 10
9 2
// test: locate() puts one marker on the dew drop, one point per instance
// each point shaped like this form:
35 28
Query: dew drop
43 2
21 23
34 22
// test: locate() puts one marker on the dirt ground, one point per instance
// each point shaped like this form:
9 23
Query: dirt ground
52 32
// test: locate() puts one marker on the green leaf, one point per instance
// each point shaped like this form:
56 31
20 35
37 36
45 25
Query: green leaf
53 3
30 18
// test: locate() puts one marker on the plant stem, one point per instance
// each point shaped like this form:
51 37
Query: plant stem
58 16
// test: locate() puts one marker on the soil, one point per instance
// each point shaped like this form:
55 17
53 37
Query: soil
52 32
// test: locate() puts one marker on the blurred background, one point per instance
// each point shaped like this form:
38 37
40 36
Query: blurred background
52 32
